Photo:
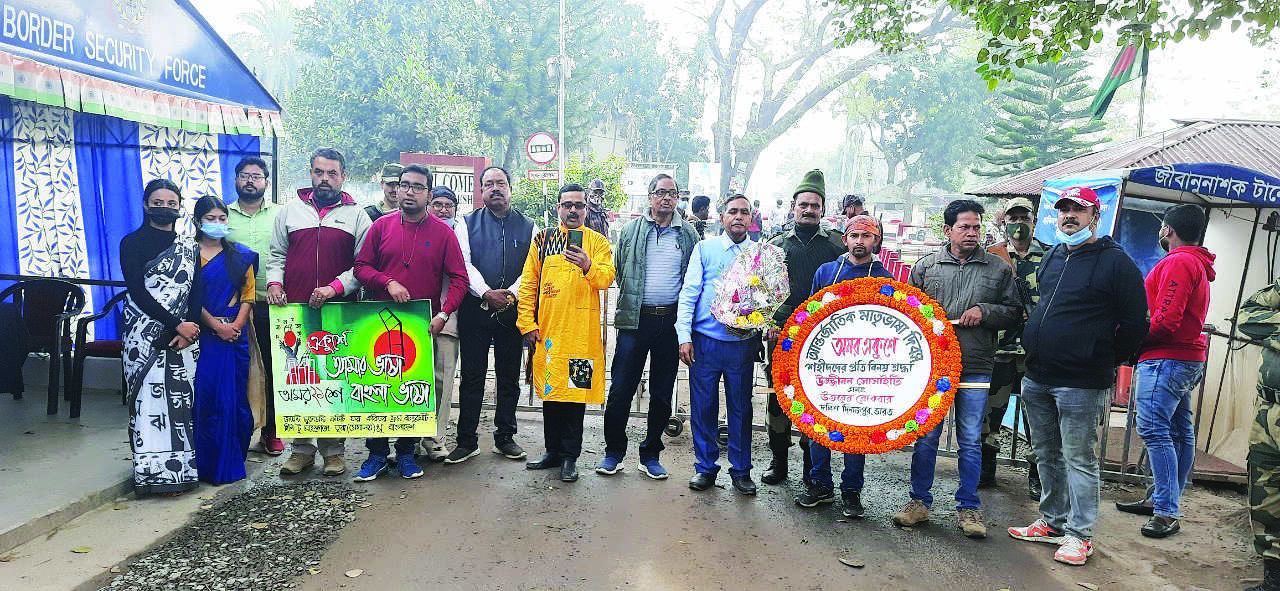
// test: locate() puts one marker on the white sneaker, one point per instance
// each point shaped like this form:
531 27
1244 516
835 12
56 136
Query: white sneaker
1074 551
432 450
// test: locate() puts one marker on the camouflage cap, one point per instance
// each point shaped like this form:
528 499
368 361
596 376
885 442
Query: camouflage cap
1019 202
391 172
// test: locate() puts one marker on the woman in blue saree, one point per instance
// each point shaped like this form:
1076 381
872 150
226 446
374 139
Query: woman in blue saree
223 419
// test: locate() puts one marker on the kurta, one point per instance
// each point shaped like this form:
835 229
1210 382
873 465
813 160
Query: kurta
561 302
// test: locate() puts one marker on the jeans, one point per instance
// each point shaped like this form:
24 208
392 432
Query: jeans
969 409
1064 433
655 338
377 446
1163 395
735 362
562 429
820 474
477 329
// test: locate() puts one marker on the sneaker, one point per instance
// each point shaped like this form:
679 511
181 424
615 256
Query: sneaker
653 469
852 501
461 454
372 468
914 512
609 466
334 465
298 462
432 450
815 495
1074 551
272 446
1037 532
510 450
970 522
407 467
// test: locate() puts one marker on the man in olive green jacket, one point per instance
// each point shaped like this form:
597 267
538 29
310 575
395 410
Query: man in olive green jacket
649 259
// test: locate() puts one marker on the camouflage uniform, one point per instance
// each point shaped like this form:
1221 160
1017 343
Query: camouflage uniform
1010 356
1259 318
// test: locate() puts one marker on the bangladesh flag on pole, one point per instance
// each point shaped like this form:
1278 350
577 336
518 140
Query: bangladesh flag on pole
1121 72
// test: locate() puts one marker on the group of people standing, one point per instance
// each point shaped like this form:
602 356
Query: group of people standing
1049 324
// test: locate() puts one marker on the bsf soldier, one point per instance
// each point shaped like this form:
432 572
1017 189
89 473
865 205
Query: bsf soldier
1259 318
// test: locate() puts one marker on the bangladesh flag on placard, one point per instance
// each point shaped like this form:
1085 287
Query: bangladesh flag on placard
1121 72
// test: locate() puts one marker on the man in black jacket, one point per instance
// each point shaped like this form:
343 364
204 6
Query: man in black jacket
1092 316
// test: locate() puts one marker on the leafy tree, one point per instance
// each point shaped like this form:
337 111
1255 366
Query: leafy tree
528 197
267 47
1022 32
1045 119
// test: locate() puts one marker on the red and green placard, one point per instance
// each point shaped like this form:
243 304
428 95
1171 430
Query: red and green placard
353 369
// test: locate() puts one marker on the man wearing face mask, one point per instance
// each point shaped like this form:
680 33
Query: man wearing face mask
597 217
1024 253
313 248
252 220
1092 317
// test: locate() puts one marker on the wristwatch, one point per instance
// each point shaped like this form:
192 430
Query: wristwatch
443 316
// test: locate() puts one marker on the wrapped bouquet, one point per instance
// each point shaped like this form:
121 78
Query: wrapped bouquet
751 289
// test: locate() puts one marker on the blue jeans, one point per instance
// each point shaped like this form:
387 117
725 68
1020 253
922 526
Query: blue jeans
1163 395
1064 434
712 360
969 409
654 338
820 474
378 446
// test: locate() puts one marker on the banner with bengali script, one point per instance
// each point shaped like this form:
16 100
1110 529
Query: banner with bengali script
353 369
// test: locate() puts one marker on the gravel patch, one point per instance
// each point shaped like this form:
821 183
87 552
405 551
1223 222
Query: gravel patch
262 538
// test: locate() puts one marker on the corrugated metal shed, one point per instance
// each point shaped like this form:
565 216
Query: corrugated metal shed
1251 144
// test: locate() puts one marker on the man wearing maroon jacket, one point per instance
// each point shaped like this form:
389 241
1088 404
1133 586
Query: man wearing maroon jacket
405 257
1171 361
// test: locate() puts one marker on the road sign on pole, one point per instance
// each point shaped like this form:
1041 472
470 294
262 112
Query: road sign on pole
542 174
541 148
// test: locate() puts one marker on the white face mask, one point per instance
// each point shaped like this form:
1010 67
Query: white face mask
1075 239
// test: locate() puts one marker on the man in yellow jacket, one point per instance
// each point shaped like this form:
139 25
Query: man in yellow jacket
559 316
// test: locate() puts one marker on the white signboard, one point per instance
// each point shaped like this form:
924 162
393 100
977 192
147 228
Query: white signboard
865 365
635 181
704 179
542 174
541 148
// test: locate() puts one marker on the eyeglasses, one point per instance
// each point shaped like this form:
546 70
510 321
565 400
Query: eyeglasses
412 188
573 205
665 193
445 204
245 176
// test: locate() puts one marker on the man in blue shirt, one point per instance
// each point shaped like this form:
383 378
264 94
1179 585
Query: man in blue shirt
712 352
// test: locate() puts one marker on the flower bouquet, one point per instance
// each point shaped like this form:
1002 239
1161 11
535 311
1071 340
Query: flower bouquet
751 290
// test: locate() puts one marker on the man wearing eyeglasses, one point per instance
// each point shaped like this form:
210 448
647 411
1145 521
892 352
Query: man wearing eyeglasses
313 248
444 206
495 241
650 261
252 219
406 257
597 218
390 180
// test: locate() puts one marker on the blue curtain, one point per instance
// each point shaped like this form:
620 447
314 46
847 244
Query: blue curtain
231 148
111 199
8 206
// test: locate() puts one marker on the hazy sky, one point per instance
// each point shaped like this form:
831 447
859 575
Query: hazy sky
1222 77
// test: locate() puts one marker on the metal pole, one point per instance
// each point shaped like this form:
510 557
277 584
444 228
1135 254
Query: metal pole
1226 360
560 101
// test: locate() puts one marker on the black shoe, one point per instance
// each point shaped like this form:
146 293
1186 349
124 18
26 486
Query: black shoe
815 495
702 481
852 501
1033 484
744 484
1142 507
509 449
547 461
461 454
777 471
987 477
1270 576
1161 526
569 471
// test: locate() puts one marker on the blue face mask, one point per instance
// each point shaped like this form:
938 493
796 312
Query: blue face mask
215 230
1075 239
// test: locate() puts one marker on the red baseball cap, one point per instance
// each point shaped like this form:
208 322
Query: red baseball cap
1083 196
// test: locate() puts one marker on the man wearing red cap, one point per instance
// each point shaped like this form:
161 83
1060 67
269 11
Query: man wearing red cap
1092 317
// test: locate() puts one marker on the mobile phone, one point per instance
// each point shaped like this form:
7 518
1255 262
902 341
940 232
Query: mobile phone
575 238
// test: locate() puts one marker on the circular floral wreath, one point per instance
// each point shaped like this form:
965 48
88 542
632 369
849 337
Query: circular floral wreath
934 402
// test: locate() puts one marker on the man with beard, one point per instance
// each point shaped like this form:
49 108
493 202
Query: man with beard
701 209
1024 253
712 353
597 217
652 255
976 290
495 242
1092 317
406 257
863 238
850 207
252 220
313 248
806 246
390 180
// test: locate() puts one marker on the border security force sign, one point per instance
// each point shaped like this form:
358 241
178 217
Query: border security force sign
353 369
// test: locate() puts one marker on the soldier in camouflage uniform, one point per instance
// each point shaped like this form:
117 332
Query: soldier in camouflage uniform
1259 318
1024 253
